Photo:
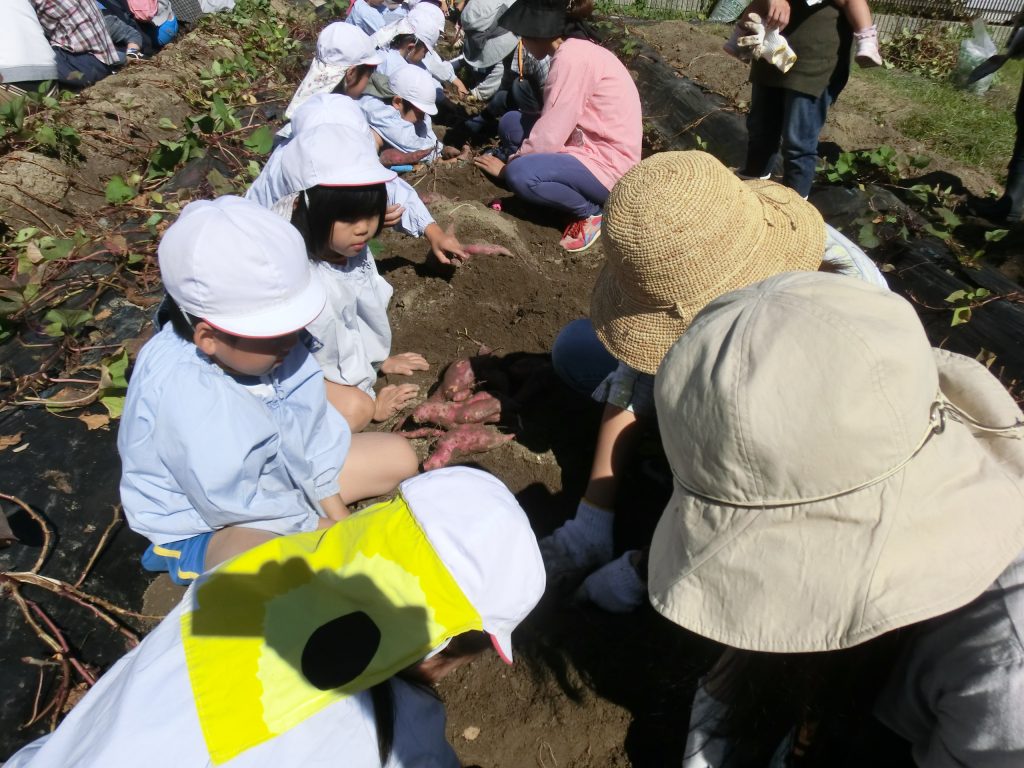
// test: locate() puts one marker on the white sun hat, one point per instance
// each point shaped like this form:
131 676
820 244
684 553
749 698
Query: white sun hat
483 537
331 156
339 47
240 268
835 477
329 109
416 86
427 22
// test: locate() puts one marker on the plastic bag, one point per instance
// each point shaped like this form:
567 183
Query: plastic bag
974 51
726 11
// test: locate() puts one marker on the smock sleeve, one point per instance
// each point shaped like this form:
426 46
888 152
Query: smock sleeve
339 347
399 133
328 437
568 88
224 453
441 70
415 218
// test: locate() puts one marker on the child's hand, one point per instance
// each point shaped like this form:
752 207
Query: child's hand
392 399
445 245
778 14
490 164
393 215
404 364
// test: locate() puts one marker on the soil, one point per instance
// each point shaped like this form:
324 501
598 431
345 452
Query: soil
588 689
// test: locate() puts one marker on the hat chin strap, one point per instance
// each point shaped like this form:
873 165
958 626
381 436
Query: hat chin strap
941 410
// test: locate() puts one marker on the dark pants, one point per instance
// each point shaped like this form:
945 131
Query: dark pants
77 70
1013 197
557 181
779 116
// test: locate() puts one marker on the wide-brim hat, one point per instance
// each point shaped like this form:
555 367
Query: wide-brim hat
835 478
339 47
535 18
680 230
241 268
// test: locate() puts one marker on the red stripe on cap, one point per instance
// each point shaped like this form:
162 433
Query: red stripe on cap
501 653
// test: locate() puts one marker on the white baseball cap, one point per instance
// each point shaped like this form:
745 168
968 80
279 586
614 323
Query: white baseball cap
416 86
330 156
483 537
329 109
241 268
339 47
427 22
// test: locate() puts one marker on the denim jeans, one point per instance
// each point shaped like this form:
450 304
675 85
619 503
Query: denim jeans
794 120
580 359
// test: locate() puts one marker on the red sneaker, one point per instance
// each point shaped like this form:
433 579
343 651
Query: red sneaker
581 234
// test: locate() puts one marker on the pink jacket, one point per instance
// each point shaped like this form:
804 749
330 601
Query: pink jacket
591 111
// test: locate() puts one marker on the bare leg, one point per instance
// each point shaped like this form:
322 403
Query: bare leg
351 402
233 540
376 463
857 13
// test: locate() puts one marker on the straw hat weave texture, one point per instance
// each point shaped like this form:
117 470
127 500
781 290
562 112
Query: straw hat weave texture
680 230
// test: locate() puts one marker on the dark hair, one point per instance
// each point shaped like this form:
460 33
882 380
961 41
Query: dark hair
579 10
327 205
357 72
825 699
383 696
400 41
182 322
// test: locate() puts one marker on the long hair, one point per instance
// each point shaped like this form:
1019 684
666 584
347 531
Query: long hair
824 700
576 14
318 208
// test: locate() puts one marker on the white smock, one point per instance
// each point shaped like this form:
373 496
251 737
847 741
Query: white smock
353 334
25 54
142 712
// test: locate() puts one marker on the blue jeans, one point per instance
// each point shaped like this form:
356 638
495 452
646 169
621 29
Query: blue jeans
794 120
514 127
579 358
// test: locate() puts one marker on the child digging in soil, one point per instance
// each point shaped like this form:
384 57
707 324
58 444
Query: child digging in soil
681 230
226 439
774 15
589 132
330 184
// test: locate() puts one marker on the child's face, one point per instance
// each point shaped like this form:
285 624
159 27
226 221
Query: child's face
249 357
408 112
349 238
356 80
414 53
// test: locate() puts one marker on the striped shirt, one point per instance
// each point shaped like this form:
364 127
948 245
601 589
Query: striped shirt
77 27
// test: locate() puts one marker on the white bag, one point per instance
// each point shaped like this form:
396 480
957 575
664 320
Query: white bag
974 51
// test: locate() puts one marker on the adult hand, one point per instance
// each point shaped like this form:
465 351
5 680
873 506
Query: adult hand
490 164
778 14
393 398
393 215
405 363
445 246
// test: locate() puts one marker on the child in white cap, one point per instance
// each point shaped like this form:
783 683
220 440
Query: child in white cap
367 15
405 212
412 41
319 649
345 58
398 110
226 439
847 522
329 183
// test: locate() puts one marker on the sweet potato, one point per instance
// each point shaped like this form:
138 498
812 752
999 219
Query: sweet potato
458 381
464 440
394 156
478 409
486 249
423 432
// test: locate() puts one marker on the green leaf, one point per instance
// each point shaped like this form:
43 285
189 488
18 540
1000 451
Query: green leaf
221 184
113 371
118 191
867 237
949 218
376 247
956 296
936 233
167 124
114 405
961 315
54 248
59 321
260 141
995 235
920 161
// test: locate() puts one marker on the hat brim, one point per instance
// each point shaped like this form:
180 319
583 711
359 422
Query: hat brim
427 109
503 645
796 579
278 320
324 78
527 21
640 336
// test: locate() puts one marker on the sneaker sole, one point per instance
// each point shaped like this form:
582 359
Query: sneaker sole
866 62
584 247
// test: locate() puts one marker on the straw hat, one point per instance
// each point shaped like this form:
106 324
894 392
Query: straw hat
680 230
835 477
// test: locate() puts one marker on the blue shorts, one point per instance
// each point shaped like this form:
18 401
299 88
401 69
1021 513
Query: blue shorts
182 560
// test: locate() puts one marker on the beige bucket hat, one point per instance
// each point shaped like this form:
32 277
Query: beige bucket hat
835 477
680 230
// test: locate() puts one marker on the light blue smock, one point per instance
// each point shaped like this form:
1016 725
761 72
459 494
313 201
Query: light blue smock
366 17
201 450
398 132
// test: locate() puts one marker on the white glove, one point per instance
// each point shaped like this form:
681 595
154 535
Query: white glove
769 44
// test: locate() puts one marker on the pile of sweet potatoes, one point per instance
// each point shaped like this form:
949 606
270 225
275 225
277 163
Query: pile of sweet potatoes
460 417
